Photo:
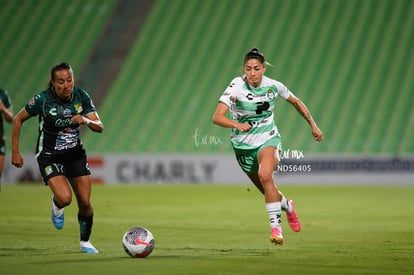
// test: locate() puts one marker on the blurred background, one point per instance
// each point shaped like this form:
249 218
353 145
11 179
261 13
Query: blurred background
156 68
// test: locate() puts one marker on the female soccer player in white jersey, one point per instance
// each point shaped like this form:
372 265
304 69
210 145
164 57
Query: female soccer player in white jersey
255 137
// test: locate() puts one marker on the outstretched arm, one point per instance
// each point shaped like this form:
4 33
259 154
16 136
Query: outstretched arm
301 108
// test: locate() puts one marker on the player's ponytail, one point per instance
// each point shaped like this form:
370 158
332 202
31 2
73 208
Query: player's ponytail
256 54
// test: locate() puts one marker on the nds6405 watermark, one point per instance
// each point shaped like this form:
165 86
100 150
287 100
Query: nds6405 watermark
290 155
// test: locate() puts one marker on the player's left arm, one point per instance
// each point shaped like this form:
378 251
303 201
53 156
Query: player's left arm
91 119
303 110
94 122
89 116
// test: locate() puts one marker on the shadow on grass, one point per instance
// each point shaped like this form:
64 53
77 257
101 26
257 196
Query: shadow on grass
8 251
69 257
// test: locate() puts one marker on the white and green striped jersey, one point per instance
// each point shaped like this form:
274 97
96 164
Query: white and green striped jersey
254 106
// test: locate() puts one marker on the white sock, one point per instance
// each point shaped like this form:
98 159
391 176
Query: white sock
56 210
274 211
284 203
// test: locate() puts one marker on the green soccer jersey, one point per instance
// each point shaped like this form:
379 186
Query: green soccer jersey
5 98
254 106
57 133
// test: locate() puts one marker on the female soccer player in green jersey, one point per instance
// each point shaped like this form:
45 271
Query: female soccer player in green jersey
255 137
62 109
6 115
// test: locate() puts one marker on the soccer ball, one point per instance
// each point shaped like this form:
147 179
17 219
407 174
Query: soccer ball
138 242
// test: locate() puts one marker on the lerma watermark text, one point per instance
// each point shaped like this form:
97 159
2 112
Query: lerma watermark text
204 140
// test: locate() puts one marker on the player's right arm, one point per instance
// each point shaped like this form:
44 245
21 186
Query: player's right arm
226 100
17 158
220 118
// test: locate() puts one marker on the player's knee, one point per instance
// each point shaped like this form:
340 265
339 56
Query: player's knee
84 205
63 200
266 177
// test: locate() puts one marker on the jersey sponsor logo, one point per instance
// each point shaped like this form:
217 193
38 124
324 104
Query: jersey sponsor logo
269 96
262 107
53 111
66 139
63 122
67 112
257 123
60 147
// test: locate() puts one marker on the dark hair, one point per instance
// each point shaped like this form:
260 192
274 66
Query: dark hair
58 67
254 53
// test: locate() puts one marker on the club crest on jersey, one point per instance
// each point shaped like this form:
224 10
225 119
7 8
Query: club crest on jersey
270 94
233 98
48 170
78 108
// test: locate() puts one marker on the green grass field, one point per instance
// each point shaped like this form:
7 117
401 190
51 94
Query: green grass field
213 229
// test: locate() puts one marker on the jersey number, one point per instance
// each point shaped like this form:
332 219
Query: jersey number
262 106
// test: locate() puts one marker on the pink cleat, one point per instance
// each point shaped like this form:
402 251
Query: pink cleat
292 218
276 237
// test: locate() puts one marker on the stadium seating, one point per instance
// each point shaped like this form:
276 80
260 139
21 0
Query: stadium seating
39 34
350 61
